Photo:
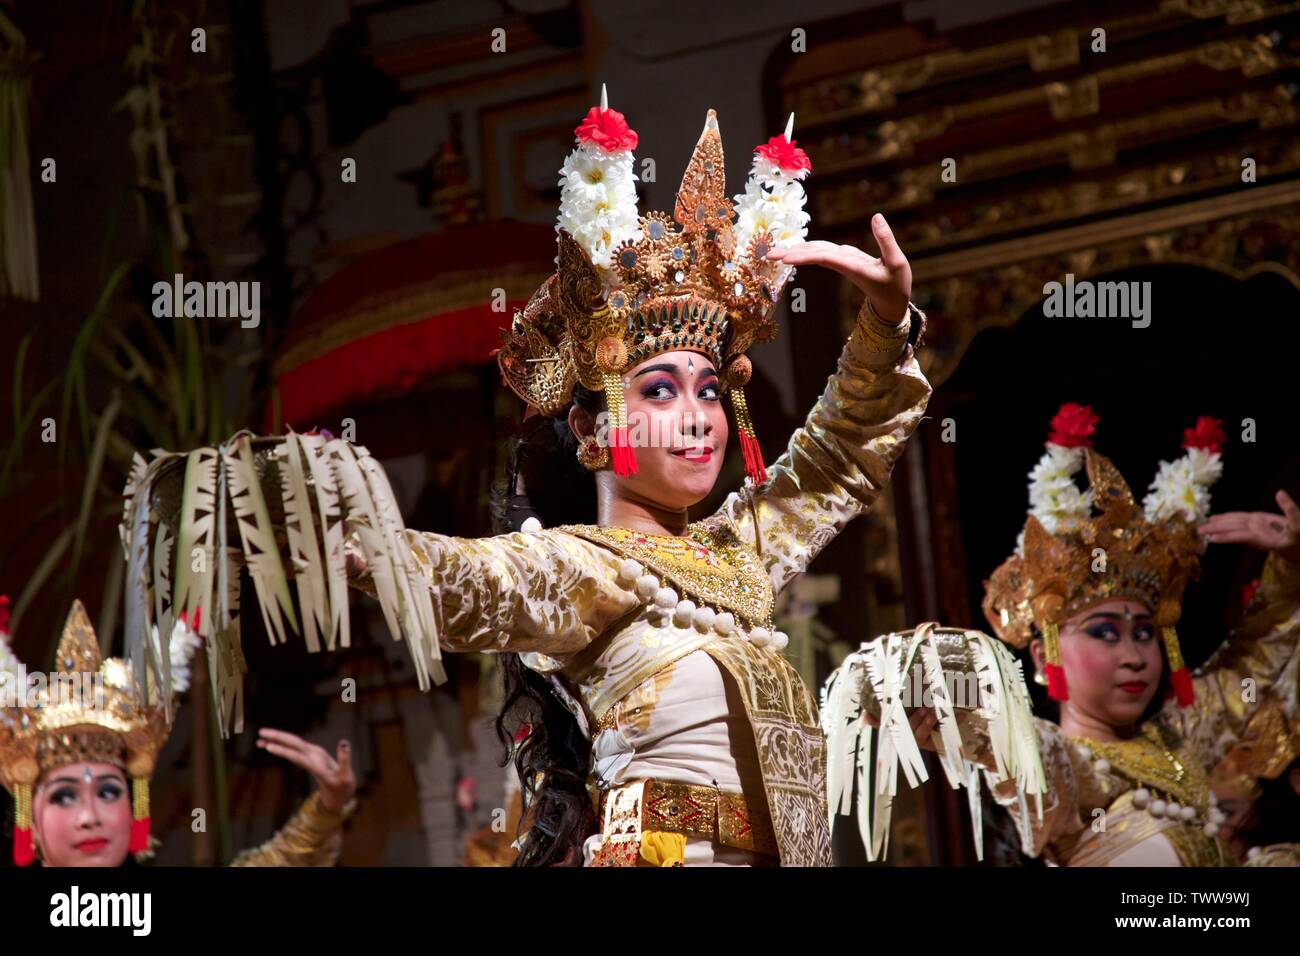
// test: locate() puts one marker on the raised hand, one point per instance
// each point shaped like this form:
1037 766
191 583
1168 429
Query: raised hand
887 281
333 774
1259 529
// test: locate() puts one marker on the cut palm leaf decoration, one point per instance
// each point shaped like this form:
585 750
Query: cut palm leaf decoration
877 681
278 507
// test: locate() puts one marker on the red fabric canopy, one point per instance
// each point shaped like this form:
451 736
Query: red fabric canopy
404 314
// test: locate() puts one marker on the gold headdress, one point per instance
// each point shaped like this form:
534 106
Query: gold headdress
628 287
1070 557
87 711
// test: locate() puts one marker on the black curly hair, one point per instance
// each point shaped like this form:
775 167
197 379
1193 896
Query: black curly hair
544 480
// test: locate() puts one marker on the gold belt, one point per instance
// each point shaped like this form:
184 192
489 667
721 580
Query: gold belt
718 815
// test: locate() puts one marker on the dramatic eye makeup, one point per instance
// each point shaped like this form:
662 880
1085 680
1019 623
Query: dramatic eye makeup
110 790
710 386
1104 630
665 389
107 788
1105 626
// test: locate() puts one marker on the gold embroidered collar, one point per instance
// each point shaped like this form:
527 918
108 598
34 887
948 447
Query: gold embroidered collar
1154 762
709 564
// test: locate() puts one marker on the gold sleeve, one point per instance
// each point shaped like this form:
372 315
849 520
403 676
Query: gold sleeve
838 461
1258 662
1071 791
546 591
312 837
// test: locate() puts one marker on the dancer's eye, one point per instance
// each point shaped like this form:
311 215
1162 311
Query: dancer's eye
110 790
63 797
1144 632
710 392
1104 632
660 390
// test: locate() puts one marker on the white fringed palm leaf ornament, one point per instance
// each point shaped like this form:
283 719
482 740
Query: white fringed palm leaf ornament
278 507
877 681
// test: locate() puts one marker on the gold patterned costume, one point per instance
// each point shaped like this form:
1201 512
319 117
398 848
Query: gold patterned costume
635 630
605 610
91 712
1078 802
1172 754
1091 802
1142 800
1266 751
312 837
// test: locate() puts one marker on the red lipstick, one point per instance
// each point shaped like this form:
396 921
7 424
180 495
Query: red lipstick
699 454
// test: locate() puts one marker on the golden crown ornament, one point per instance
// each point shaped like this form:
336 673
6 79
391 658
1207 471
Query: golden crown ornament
89 711
629 286
1151 551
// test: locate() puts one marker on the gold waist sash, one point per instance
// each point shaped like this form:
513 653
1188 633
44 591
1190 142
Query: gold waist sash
723 816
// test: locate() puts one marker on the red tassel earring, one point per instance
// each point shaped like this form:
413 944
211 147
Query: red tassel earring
139 815
1056 688
621 454
24 852
1180 678
739 370
611 357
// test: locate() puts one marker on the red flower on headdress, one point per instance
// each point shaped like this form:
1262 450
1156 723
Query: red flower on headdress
1248 592
607 129
1208 434
788 157
4 614
1072 426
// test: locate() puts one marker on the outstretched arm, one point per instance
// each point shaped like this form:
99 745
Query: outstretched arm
838 462
545 591
1261 657
314 835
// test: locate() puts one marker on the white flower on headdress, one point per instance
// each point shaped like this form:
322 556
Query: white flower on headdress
776 209
1206 466
1054 499
1181 488
598 199
774 199
181 649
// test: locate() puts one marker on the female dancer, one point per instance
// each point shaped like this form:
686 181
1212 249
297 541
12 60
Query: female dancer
77 760
1095 598
640 643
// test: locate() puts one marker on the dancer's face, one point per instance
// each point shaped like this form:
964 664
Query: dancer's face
678 427
81 815
1111 655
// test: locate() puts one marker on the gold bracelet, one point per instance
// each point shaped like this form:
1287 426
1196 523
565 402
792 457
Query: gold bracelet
877 340
881 337
889 325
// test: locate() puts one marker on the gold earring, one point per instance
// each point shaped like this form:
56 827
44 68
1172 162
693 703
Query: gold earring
1039 679
592 454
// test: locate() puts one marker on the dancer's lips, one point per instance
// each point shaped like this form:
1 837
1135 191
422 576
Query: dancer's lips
92 846
697 453
1133 687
